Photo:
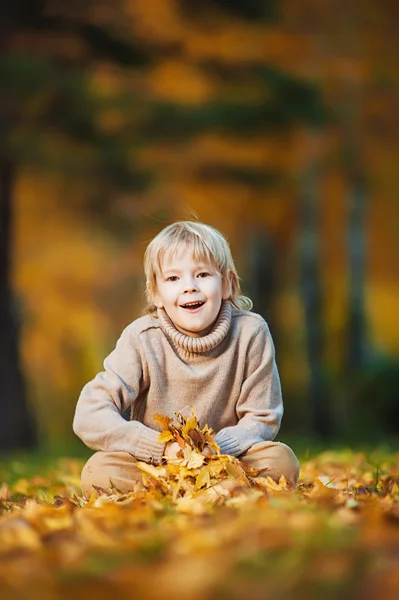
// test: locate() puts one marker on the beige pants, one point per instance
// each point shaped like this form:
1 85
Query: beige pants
119 469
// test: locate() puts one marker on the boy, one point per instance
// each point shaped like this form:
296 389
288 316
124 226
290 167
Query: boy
199 347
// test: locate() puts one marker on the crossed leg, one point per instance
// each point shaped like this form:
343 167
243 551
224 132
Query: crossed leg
119 469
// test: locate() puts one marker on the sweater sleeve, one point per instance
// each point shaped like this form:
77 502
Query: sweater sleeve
98 419
260 405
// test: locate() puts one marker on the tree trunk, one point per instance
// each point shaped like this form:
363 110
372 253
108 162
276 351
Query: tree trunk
260 279
310 288
16 424
357 203
356 257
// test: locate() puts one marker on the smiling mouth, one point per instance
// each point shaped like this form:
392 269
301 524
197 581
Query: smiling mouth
192 305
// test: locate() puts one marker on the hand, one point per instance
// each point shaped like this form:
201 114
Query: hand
171 450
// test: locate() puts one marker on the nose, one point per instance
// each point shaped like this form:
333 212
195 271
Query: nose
190 285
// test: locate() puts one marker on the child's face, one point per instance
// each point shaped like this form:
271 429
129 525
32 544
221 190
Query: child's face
191 293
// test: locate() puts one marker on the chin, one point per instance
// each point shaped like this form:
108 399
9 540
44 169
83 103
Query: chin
198 329
194 328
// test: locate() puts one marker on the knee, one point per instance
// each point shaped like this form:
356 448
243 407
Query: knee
273 459
105 470
289 464
94 474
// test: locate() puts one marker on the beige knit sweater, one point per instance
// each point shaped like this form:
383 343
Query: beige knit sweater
228 377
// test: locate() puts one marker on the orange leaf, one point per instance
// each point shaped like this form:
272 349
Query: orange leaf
163 420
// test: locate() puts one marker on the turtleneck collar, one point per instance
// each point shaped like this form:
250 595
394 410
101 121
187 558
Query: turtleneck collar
198 345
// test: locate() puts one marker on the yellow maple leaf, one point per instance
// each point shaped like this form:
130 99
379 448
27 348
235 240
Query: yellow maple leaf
216 468
174 469
192 458
268 483
155 472
236 472
165 436
203 478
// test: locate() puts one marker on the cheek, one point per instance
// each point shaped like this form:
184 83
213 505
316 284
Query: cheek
214 288
166 293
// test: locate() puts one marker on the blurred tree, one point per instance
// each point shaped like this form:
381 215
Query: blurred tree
47 97
260 273
357 205
310 288
17 428
350 115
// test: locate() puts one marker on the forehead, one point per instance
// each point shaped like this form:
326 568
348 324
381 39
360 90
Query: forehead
184 254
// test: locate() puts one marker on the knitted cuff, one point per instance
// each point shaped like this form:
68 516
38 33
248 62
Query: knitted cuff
228 443
236 440
148 448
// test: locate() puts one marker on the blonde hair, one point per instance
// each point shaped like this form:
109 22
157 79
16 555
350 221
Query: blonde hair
207 244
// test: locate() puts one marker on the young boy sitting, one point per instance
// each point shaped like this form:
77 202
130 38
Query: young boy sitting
199 347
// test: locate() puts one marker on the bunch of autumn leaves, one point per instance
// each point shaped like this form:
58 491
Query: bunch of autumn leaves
199 470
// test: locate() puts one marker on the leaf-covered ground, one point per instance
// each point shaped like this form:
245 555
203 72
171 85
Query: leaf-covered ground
219 533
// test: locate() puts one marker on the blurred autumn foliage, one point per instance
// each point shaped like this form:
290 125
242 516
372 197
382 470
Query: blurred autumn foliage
208 526
275 122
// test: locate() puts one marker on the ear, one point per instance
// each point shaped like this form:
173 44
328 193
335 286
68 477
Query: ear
227 285
153 293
